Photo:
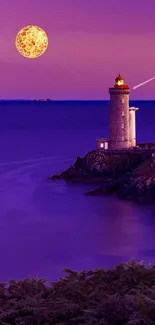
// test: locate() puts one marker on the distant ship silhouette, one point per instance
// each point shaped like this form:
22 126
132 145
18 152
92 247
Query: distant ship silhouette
43 100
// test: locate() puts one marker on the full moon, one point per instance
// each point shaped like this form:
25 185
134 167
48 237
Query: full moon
31 41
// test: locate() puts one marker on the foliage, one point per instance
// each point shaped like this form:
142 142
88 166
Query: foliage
119 296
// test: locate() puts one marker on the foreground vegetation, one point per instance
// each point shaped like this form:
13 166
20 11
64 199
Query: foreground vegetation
123 295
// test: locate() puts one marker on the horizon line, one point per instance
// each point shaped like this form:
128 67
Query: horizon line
68 100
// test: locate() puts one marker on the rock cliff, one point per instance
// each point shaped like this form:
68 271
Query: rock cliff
140 186
129 174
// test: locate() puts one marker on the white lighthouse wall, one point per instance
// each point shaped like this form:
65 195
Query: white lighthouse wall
132 127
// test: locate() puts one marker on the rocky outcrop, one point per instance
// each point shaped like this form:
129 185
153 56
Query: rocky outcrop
97 164
147 145
129 174
138 186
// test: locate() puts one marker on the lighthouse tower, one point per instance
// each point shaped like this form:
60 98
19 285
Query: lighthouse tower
119 136
122 121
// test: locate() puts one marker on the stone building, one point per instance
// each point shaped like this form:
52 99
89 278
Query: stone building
122 126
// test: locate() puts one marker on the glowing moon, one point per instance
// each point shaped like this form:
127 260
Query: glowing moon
31 41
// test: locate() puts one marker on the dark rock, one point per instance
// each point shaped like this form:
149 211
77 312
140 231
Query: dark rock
55 177
147 146
130 174
108 187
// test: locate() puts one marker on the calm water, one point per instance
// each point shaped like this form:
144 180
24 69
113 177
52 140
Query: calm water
45 225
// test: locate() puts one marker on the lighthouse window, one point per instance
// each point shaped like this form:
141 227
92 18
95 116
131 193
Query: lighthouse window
122 101
122 138
122 126
122 113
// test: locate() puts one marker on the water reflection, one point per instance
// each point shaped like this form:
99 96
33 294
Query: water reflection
46 226
102 226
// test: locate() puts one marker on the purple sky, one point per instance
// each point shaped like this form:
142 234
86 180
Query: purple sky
90 41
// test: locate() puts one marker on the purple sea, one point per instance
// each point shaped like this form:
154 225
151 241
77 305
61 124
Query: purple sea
45 225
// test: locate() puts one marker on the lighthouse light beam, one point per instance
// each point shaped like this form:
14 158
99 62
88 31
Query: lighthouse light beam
143 83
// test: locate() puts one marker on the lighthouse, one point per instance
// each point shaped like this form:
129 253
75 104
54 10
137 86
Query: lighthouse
119 137
122 119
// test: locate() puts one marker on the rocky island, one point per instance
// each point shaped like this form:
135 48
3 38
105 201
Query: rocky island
119 164
129 174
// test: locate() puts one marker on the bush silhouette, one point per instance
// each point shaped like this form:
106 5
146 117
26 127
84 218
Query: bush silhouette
119 296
